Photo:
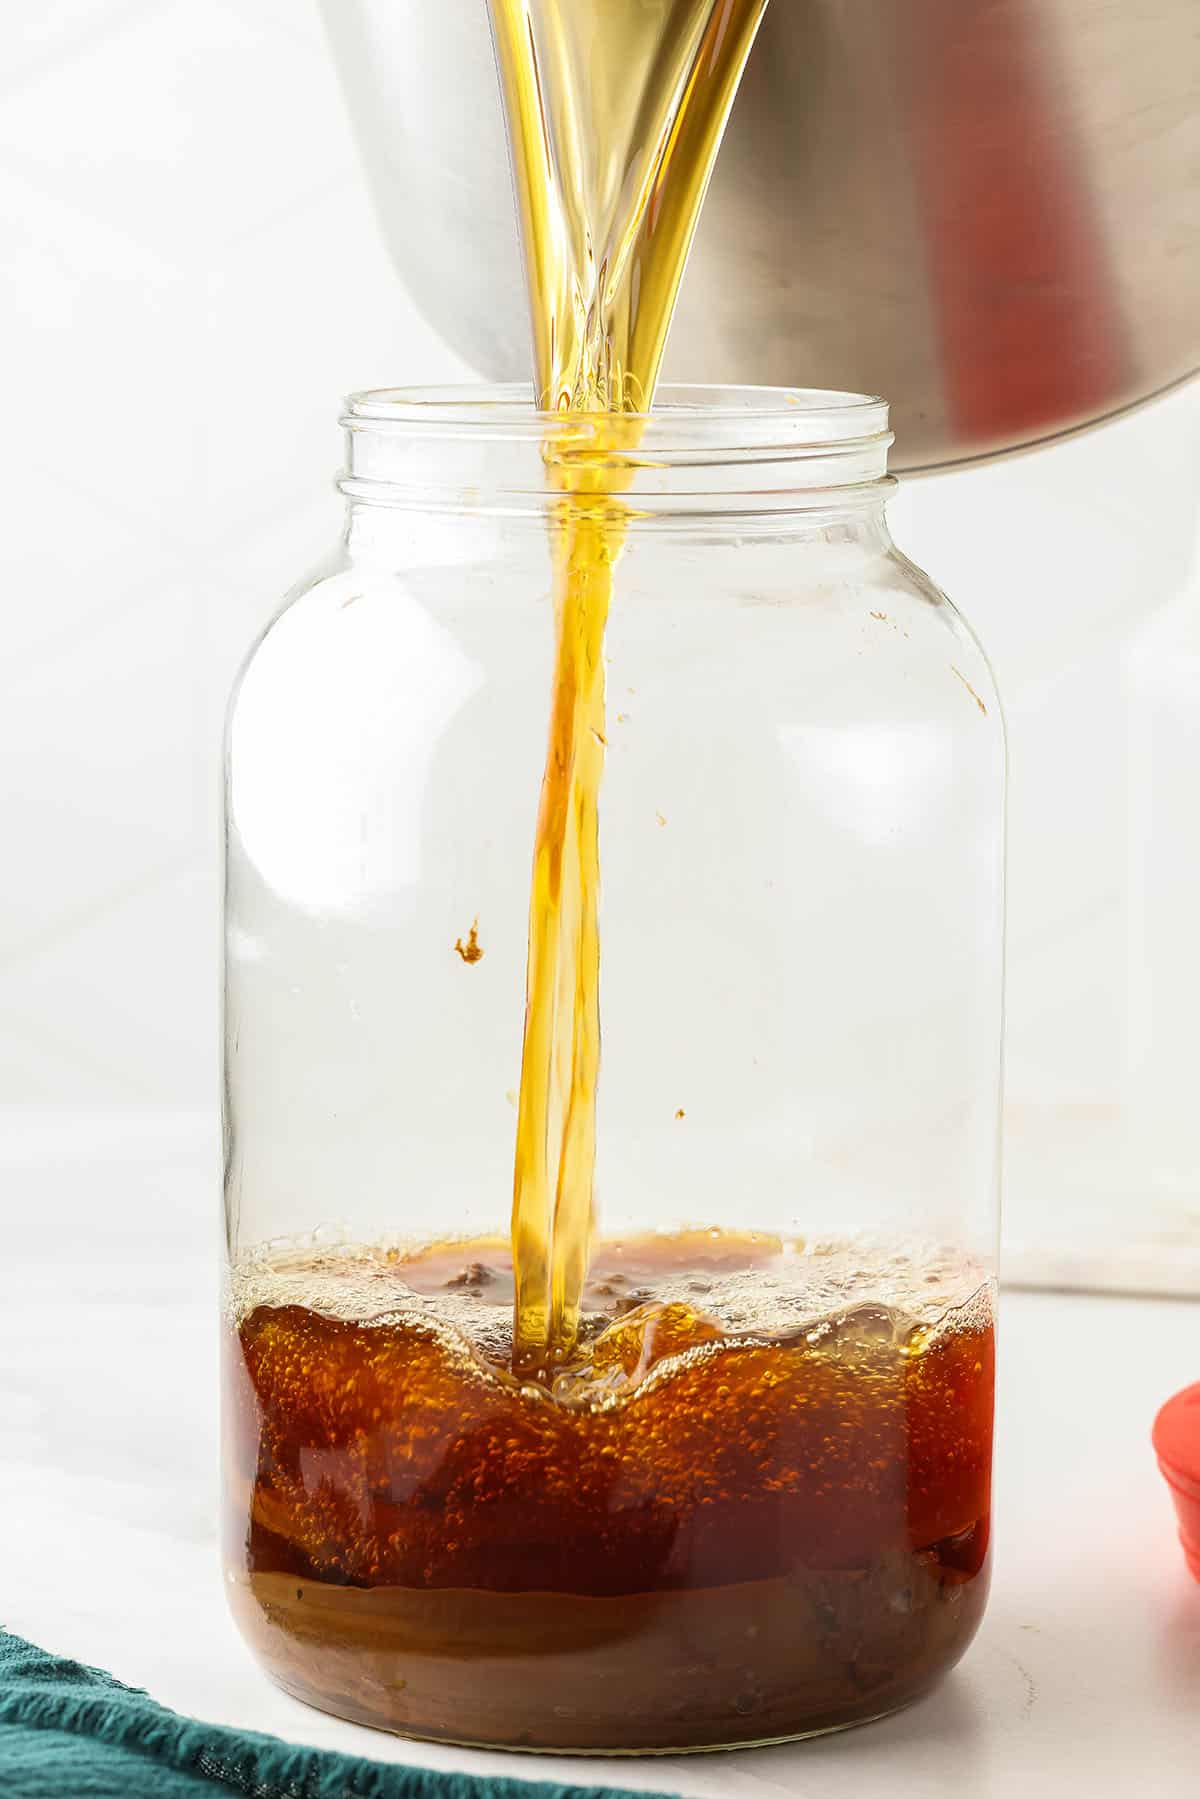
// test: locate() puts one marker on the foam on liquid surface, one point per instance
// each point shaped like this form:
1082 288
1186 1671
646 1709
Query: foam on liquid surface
651 1306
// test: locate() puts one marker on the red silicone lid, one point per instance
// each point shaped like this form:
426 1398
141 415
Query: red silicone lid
1177 1446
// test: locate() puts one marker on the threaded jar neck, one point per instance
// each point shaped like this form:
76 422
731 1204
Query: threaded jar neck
704 451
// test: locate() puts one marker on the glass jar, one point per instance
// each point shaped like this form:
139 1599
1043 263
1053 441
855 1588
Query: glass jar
755 1504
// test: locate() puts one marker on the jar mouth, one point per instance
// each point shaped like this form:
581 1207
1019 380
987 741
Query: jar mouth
686 417
702 448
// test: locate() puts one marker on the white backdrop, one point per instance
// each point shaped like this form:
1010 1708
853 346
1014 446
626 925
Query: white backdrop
191 280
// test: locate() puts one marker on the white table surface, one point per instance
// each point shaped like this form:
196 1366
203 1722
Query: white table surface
1085 1677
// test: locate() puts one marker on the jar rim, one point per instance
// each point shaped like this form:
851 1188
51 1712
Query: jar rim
688 418
704 451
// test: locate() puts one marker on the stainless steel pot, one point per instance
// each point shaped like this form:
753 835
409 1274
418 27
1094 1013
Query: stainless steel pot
988 210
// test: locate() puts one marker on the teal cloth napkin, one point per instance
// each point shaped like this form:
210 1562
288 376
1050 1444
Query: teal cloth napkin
70 1732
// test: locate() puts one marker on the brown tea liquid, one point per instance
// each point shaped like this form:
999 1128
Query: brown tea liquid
753 1504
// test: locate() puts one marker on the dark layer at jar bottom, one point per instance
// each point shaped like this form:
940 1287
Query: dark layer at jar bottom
669 1671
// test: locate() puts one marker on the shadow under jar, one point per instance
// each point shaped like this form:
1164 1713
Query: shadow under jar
753 1503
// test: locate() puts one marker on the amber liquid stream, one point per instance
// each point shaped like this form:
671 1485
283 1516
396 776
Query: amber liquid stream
616 109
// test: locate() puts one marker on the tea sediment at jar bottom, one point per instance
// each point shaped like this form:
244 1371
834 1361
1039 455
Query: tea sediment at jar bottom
756 1504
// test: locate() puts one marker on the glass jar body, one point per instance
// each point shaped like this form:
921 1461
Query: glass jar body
765 1525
